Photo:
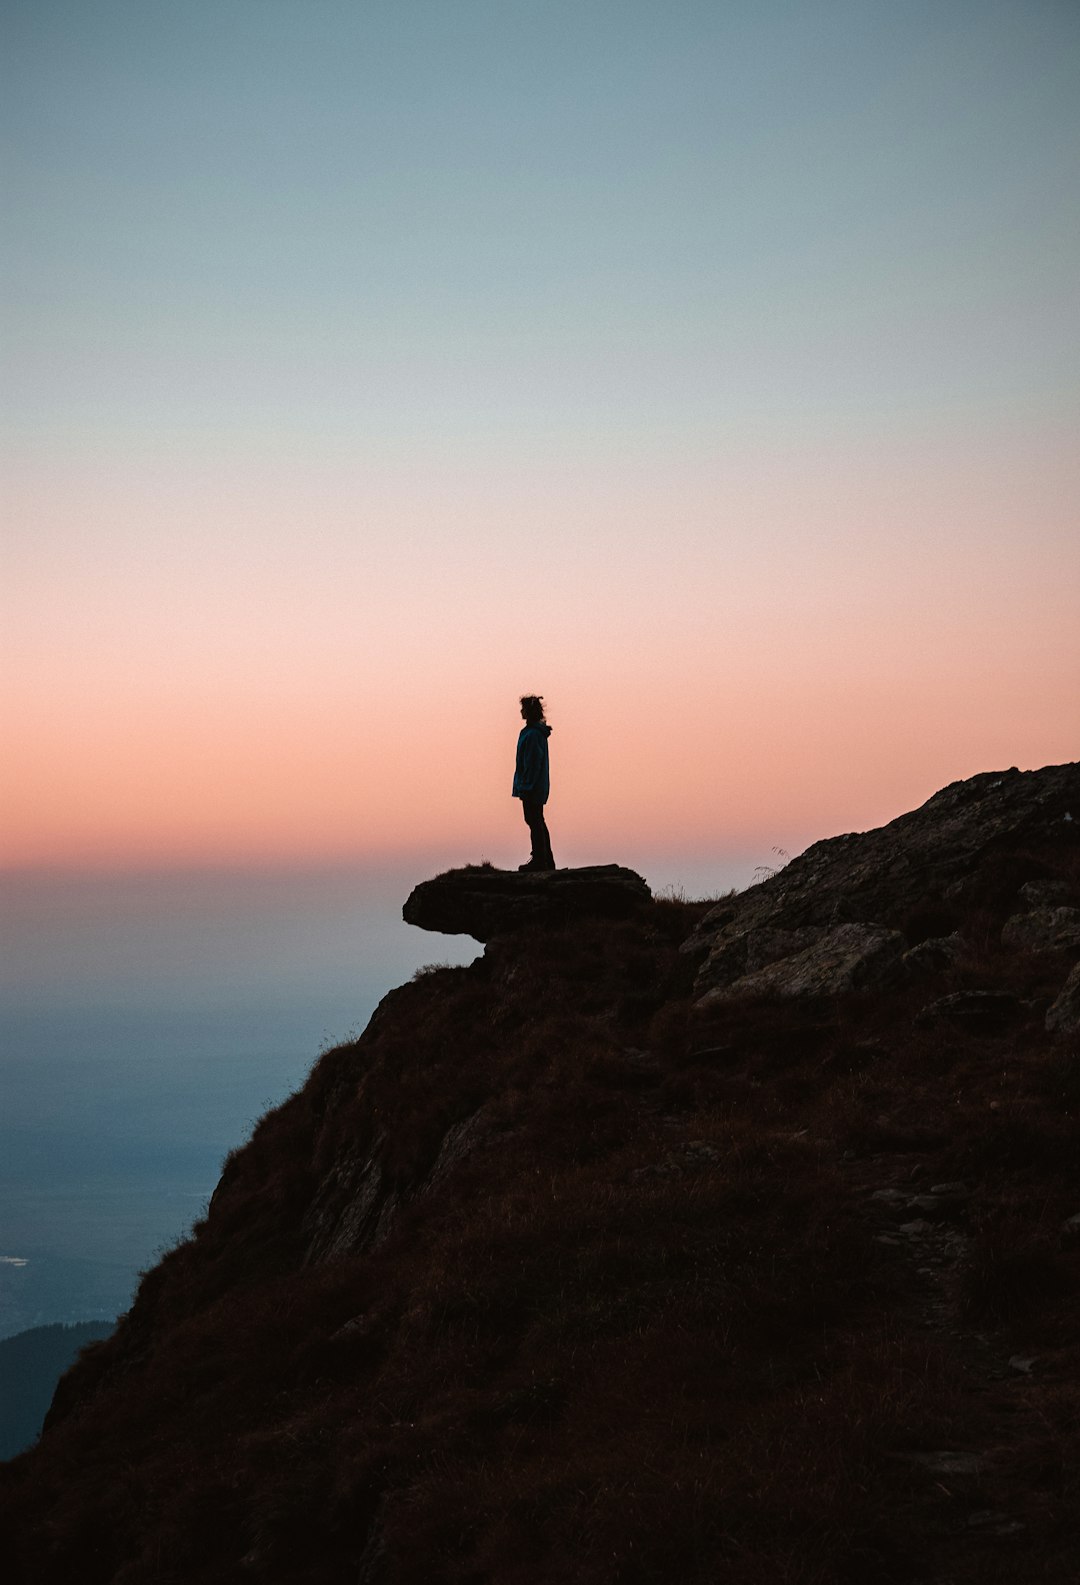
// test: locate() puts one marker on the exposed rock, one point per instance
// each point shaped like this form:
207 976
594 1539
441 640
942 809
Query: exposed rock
756 950
965 842
483 902
1063 1014
1043 930
984 1011
850 958
356 1206
936 952
1045 893
353 1210
769 945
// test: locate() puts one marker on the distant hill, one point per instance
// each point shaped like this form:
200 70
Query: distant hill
31 1363
666 1242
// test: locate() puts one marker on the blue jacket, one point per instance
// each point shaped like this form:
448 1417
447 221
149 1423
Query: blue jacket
531 779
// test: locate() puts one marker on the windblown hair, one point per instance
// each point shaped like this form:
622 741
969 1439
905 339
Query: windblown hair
532 708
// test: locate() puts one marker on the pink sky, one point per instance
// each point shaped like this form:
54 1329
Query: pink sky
325 665
710 370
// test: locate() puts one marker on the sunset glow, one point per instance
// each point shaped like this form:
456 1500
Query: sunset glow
723 392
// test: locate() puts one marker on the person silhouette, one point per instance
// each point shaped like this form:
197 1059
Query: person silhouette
532 781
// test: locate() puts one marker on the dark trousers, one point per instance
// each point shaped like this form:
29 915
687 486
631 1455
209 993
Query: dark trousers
533 810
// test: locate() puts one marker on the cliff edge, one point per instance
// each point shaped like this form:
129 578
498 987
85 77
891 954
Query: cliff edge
483 902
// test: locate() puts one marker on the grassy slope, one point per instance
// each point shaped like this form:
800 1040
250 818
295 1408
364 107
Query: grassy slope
645 1330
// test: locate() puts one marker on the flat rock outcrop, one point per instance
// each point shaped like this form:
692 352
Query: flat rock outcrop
991 841
484 902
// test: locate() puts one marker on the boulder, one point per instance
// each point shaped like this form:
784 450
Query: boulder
1045 893
935 953
1063 1015
853 957
737 955
1043 930
484 902
769 944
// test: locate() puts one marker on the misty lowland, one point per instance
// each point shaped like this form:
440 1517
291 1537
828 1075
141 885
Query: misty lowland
668 1241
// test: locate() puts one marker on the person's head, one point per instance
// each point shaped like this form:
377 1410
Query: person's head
532 709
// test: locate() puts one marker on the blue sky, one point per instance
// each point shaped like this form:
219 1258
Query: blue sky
238 220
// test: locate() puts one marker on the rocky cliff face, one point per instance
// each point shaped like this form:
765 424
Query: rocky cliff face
664 1242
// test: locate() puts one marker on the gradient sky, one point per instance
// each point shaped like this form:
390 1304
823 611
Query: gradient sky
711 368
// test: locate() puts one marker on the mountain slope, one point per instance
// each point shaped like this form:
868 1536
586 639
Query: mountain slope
570 1269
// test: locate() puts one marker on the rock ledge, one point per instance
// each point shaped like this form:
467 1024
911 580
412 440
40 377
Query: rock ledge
484 902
